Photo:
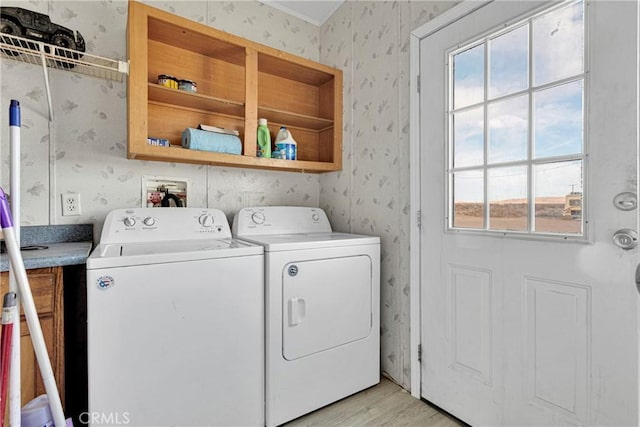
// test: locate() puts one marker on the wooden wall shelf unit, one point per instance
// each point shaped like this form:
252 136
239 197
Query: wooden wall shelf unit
238 81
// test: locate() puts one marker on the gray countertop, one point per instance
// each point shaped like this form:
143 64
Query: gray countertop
65 245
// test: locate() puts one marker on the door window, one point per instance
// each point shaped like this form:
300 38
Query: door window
516 119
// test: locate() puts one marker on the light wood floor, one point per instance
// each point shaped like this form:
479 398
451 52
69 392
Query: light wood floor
385 404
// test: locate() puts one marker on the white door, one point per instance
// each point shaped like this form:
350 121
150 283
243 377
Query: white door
529 311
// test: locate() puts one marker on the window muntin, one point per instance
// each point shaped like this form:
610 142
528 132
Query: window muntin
516 133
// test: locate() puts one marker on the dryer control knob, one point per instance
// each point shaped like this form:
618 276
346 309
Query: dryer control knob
257 217
129 221
149 221
315 217
205 220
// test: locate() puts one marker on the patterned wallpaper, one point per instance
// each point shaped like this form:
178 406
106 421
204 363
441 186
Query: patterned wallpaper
369 41
83 149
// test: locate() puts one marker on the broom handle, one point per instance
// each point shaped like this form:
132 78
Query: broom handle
28 305
8 317
15 395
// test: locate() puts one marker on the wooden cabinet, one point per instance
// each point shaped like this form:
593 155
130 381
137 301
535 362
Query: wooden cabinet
47 289
238 81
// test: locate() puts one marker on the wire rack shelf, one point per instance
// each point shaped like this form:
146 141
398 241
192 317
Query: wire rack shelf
61 58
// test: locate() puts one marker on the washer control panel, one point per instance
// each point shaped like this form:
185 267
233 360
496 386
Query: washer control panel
280 220
162 224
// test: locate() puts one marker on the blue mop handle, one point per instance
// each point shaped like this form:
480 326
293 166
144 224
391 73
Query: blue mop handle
14 113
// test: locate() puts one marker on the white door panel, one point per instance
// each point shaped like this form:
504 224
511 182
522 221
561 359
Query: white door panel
526 330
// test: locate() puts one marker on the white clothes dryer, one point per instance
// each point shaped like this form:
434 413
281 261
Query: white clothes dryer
322 291
175 311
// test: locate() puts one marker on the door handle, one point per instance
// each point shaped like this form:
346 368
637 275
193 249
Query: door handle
626 201
297 311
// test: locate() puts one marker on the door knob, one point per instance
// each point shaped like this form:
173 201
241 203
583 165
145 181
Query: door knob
625 238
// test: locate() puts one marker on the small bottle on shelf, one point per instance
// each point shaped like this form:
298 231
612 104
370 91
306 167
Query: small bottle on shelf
264 139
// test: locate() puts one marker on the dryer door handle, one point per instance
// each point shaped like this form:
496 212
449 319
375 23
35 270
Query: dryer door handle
297 311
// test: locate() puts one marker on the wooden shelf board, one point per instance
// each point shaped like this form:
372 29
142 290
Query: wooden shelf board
197 41
290 119
182 155
295 71
165 95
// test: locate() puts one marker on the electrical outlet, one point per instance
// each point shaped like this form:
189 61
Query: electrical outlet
70 204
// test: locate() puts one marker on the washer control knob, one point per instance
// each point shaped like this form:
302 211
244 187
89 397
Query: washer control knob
315 217
149 221
129 221
257 218
205 220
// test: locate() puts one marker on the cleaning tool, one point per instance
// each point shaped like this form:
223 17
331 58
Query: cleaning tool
15 395
8 316
28 305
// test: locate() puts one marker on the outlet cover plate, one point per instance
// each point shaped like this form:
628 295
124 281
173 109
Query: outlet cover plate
70 204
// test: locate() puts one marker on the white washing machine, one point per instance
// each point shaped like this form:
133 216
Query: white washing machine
175 311
322 291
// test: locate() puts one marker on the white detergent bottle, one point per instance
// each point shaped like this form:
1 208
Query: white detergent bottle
286 145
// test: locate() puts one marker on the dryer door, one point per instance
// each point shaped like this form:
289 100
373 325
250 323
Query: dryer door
326 303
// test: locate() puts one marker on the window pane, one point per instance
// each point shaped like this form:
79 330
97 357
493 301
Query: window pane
508 206
558 120
468 138
509 62
558 44
508 125
558 197
468 199
468 77
506 150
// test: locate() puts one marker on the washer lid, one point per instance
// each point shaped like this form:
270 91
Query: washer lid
129 254
288 242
